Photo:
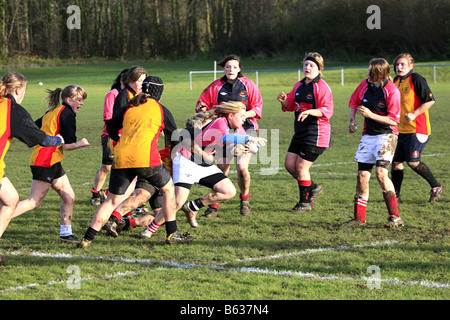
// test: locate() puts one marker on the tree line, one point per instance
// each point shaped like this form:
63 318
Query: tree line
173 29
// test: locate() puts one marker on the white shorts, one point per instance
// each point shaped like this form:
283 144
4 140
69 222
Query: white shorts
375 148
188 172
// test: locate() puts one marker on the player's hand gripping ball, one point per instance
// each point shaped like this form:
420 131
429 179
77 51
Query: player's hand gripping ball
236 149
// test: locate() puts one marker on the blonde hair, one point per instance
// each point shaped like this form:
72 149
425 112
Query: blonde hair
233 107
379 70
406 56
222 110
10 82
71 91
201 119
317 58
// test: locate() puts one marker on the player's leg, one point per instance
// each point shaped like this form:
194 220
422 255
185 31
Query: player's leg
62 186
39 190
9 199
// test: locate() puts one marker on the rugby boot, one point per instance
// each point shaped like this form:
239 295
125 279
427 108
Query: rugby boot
68 239
83 244
315 192
353 223
245 207
190 215
394 222
210 213
301 207
178 238
145 234
114 226
436 193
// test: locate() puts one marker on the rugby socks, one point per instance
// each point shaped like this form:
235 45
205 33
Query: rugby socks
171 227
117 214
130 224
391 203
95 193
305 190
397 179
423 170
90 234
244 197
360 209
152 227
195 205
65 231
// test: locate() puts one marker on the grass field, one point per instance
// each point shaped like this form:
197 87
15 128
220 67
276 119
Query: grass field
272 254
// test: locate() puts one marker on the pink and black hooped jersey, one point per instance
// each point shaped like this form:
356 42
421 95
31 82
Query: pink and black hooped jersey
384 101
243 90
208 138
314 131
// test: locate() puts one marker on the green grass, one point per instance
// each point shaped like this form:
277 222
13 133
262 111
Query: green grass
214 266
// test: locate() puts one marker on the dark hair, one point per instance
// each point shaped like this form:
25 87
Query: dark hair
71 91
139 99
134 73
228 58
117 82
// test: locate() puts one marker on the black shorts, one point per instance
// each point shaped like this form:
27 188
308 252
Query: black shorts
305 151
409 148
107 155
48 174
148 179
156 200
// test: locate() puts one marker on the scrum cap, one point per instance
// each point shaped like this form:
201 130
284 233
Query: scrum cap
153 86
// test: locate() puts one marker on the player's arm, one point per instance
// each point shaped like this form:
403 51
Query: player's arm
421 109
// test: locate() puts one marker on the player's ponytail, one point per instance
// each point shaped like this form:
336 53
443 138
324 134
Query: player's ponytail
71 91
53 98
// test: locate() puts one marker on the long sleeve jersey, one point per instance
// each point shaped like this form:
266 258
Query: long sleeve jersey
384 101
243 90
16 122
315 131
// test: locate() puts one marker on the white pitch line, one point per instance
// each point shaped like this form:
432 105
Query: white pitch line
309 251
222 267
51 283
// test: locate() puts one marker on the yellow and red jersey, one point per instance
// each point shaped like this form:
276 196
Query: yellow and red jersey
138 144
60 120
16 122
414 92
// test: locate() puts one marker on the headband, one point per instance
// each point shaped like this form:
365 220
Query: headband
313 60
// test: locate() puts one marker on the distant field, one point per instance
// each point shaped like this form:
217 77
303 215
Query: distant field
272 254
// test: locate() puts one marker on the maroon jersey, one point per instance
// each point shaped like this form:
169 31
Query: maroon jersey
243 90
384 101
312 131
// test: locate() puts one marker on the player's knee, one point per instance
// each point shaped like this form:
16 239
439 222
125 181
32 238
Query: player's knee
413 165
